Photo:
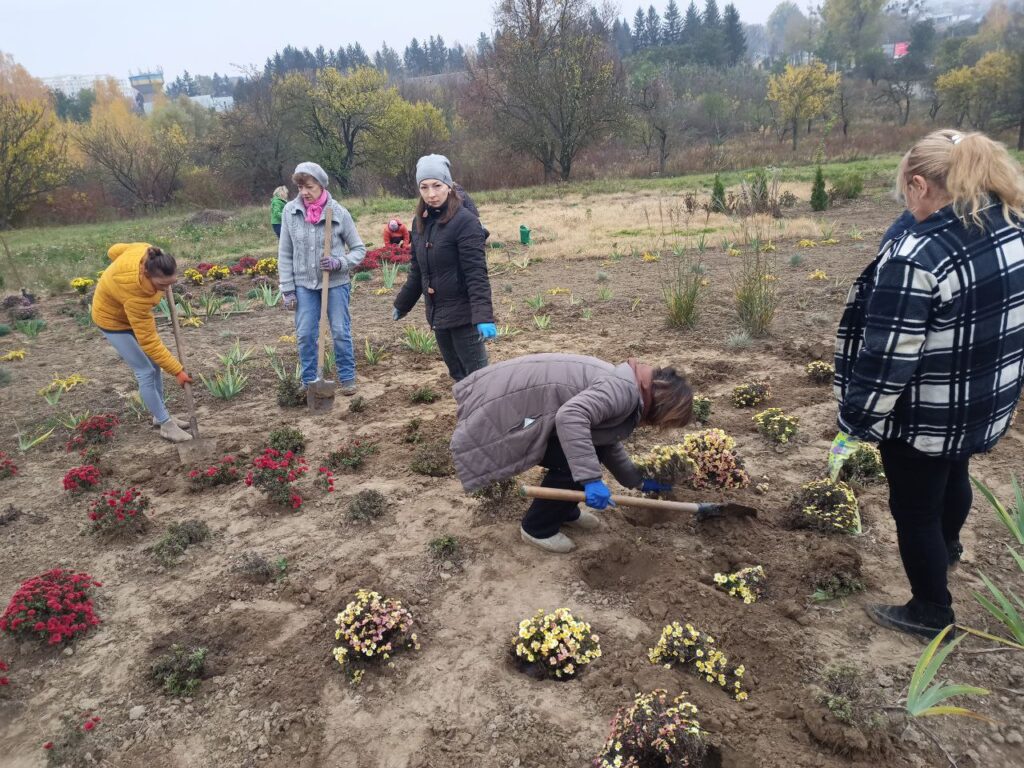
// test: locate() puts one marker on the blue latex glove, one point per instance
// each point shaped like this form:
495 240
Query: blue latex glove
487 330
396 315
330 263
842 448
288 300
653 486
598 495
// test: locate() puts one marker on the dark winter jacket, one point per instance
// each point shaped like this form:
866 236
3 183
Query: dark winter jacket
449 269
507 412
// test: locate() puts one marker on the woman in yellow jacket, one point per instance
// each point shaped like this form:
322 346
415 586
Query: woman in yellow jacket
122 308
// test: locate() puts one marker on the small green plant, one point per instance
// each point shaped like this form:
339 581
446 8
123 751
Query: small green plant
30 328
498 495
5 330
701 408
411 433
445 547
507 332
227 384
185 308
718 195
372 353
776 425
362 277
179 672
847 187
357 404
290 392
796 260
236 356
211 304
26 443
178 538
543 322
681 294
5 377
925 696
835 586
388 273
368 504
819 197
420 342
602 276
268 295
433 459
863 465
604 293
254 567
752 394
350 456
536 303
756 295
586 313
423 395
285 439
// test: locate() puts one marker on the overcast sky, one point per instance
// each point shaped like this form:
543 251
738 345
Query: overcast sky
113 37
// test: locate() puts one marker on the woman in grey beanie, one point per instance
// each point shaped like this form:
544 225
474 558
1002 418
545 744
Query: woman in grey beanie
449 269
301 263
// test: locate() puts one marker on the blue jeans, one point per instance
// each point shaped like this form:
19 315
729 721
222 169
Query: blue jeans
147 373
307 331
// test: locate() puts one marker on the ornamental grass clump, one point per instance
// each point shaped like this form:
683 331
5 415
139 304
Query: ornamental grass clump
224 472
681 644
863 465
371 630
747 583
555 645
54 606
750 395
81 479
829 505
95 430
275 474
820 372
776 425
654 732
118 513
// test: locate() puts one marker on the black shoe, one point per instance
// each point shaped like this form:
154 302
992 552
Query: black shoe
954 551
926 623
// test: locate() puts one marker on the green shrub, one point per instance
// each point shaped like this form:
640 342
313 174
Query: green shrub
718 195
5 329
178 538
819 197
368 504
424 395
445 547
433 459
285 439
290 393
179 672
848 187
701 408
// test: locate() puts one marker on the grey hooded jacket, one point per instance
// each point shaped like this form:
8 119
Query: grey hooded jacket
508 411
302 245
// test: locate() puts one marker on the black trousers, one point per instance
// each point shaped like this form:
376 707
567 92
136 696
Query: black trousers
545 517
462 349
929 498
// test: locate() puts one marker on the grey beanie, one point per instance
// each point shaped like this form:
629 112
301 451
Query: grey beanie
315 171
434 167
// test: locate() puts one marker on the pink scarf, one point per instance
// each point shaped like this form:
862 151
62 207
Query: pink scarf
315 209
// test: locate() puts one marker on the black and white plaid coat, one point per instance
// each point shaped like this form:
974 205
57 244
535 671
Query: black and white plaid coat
930 348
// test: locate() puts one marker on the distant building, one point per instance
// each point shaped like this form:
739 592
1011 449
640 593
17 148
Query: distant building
70 85
216 103
147 85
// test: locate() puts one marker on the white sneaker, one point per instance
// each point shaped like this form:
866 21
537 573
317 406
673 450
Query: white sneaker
183 423
559 543
171 431
587 521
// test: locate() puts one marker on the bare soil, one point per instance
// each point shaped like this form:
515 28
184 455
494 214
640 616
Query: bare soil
274 696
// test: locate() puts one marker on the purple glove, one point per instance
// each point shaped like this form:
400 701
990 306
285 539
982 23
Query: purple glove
288 300
330 263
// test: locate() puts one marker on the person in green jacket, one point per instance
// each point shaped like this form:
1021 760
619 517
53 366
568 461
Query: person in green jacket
277 203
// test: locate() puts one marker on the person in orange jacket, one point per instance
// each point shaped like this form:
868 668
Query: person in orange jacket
396 233
122 308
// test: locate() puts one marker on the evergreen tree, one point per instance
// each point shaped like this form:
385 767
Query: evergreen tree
718 195
735 38
456 58
819 197
672 26
414 58
357 56
387 60
690 32
322 59
341 60
622 38
437 55
710 48
639 30
483 45
653 33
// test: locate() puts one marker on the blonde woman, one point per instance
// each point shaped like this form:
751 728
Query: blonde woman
277 203
930 354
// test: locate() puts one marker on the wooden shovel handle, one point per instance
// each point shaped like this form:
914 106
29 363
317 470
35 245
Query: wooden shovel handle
559 494
324 288
189 401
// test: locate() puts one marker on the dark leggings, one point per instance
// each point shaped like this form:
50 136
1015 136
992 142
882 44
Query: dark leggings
929 498
462 349
545 517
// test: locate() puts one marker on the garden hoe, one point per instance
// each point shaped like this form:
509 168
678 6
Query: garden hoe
704 511
320 393
197 449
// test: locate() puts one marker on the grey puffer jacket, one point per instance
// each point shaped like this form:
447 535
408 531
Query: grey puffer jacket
302 245
508 411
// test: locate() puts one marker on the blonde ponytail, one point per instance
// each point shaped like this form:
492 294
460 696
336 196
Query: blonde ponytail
972 168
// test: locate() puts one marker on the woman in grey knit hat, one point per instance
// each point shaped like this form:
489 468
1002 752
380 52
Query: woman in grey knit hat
449 269
301 263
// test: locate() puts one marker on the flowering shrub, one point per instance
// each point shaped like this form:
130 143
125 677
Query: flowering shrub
687 645
194 276
70 746
717 464
747 583
325 480
775 425
4 680
81 479
275 474
223 472
243 266
393 254
119 513
653 732
350 455
217 272
264 267
14 354
54 605
555 645
7 466
818 274
371 629
701 408
668 463
820 372
829 505
203 267
82 284
864 464
93 431
749 395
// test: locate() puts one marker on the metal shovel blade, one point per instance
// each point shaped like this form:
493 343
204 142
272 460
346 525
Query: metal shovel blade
320 395
198 449
709 511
